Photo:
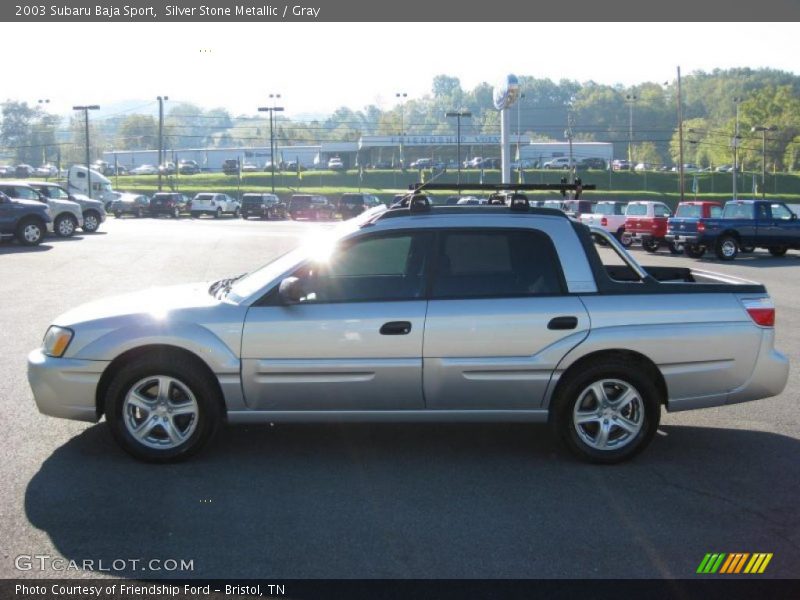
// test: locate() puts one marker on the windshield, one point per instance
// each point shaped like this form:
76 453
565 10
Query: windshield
204 197
690 211
317 246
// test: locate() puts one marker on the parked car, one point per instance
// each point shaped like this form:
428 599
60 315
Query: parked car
93 211
311 207
144 170
575 208
171 204
561 162
216 205
65 216
429 314
609 215
231 166
46 170
489 163
688 223
249 168
592 163
620 164
751 223
24 171
25 220
167 168
336 164
422 163
188 167
263 206
646 222
353 204
137 205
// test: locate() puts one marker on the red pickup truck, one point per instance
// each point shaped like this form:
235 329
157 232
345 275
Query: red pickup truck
646 222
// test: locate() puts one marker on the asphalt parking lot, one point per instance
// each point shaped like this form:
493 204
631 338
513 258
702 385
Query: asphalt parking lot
374 501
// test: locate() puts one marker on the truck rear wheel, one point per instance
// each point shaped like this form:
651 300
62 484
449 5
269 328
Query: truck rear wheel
778 250
608 412
650 245
727 247
624 238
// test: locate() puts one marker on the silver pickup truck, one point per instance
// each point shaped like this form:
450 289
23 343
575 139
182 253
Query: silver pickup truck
485 313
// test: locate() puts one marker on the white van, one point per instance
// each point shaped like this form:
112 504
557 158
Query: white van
101 185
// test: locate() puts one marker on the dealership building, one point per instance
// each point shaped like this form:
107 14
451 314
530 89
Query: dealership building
386 150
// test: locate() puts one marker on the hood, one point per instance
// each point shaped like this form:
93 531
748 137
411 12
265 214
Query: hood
64 204
155 302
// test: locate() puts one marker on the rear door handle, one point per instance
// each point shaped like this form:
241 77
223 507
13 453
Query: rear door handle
396 328
563 323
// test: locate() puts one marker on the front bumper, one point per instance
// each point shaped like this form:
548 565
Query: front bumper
65 387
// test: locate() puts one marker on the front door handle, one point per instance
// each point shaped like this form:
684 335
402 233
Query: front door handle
396 328
563 323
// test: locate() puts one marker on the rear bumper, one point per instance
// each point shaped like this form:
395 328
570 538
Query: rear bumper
65 387
680 238
768 379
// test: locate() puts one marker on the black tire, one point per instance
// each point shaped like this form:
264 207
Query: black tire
644 410
694 250
194 215
650 245
727 247
218 213
624 238
118 214
186 372
30 232
65 226
236 213
674 248
91 221
139 213
778 250
747 249
176 213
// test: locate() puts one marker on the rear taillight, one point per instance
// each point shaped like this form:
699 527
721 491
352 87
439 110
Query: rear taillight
604 221
701 227
654 225
761 310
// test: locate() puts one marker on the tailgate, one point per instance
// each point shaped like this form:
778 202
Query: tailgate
683 225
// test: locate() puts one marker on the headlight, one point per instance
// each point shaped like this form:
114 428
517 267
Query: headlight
56 341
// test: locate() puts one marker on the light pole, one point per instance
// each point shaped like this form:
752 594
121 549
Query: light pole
44 147
630 98
86 108
763 131
401 96
272 109
161 100
458 114
736 101
519 133
568 135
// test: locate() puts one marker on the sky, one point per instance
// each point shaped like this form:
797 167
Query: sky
317 67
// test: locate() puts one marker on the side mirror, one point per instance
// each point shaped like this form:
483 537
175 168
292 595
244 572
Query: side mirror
793 217
291 290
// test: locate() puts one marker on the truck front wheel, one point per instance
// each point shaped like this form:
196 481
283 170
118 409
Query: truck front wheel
30 232
778 250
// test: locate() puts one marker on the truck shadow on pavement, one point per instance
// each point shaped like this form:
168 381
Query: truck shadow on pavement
448 501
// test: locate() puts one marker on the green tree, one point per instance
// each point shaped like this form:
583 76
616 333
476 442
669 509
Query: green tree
138 132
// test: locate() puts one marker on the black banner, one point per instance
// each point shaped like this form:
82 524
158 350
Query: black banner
150 11
320 589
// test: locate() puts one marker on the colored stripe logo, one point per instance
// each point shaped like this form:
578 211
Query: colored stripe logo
734 563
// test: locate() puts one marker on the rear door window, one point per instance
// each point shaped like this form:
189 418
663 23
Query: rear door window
500 263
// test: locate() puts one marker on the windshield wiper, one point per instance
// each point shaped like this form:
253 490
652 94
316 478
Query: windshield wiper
223 286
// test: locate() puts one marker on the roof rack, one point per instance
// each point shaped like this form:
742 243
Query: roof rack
497 187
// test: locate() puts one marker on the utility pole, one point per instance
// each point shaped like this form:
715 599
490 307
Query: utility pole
763 131
402 96
568 135
161 100
458 114
631 98
736 101
272 109
519 133
86 108
680 136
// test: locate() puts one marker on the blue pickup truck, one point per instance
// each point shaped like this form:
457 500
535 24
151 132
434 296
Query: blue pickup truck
749 224
24 219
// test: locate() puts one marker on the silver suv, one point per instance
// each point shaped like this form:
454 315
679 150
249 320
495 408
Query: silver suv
484 313
93 211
